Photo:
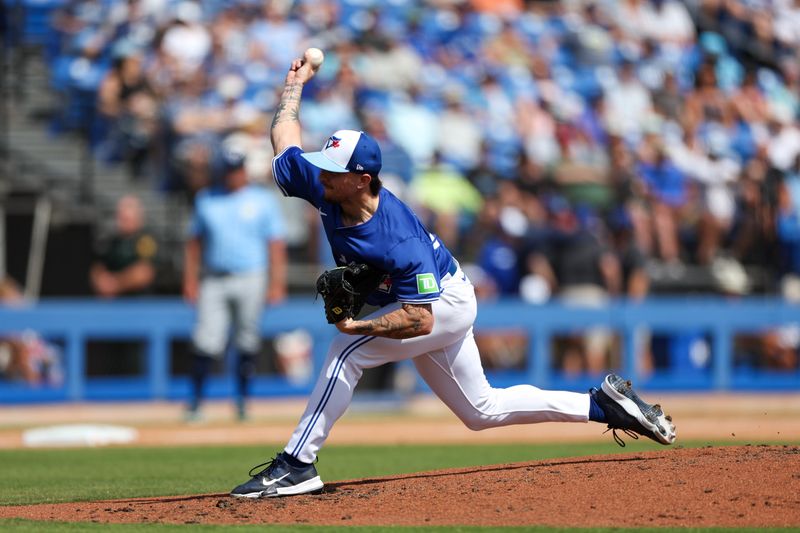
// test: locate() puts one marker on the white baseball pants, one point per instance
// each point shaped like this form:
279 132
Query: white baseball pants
448 361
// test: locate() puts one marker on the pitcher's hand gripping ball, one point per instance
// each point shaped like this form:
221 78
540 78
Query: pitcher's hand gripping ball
314 57
345 289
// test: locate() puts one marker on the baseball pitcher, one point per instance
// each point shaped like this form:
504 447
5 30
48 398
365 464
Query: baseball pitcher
426 310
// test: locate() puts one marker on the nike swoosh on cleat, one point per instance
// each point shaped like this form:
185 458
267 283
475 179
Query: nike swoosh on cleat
272 481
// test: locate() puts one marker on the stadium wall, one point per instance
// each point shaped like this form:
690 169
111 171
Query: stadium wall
157 324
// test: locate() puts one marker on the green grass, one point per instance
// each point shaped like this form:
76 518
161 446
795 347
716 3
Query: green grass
50 476
107 473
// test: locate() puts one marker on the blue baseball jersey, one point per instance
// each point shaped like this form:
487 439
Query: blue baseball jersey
393 240
235 227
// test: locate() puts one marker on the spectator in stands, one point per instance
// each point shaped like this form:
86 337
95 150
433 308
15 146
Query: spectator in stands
711 163
537 127
783 145
125 260
412 125
128 103
447 200
629 194
583 159
26 356
187 41
496 110
398 168
628 103
706 102
668 22
781 347
788 227
630 16
634 278
388 64
235 259
787 24
753 232
459 136
750 102
635 282
583 271
186 136
616 73
667 98
334 105
667 195
13 356
499 250
277 36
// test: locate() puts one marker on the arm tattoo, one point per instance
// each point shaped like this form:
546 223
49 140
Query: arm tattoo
289 107
404 323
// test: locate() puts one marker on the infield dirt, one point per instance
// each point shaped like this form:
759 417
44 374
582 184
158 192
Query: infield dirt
737 486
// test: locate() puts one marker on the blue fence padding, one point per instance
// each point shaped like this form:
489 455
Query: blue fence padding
158 322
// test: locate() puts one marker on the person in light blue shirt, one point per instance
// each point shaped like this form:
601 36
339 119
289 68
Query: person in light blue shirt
235 259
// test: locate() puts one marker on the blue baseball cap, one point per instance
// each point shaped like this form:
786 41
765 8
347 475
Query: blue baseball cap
231 160
348 151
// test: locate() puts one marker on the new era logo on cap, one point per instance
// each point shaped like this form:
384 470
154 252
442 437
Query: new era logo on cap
348 151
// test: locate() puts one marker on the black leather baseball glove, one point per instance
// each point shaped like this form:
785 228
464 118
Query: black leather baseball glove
345 289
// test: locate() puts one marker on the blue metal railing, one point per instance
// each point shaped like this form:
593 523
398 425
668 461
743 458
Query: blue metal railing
159 322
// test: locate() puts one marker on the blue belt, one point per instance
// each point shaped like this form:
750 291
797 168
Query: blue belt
453 267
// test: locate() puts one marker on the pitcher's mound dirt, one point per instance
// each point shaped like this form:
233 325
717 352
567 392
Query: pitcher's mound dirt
745 486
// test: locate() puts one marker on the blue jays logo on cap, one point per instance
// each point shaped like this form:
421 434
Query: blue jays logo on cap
348 151
333 142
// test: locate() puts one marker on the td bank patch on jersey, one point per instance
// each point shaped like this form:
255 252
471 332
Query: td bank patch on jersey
426 284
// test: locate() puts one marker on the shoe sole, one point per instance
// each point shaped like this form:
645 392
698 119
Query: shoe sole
310 485
658 423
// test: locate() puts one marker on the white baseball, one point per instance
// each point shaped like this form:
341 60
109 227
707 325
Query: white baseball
315 57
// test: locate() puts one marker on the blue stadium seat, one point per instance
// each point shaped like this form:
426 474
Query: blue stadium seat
36 27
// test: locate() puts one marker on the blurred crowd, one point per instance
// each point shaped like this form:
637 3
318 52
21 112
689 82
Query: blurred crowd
572 148
26 356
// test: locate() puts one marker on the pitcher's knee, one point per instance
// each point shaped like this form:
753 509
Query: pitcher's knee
477 420
475 424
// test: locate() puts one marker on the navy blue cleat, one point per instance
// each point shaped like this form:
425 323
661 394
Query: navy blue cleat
279 478
626 412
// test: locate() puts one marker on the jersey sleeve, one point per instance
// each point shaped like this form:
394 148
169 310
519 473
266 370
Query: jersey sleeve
297 177
414 274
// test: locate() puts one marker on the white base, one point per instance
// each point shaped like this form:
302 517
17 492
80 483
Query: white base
79 435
